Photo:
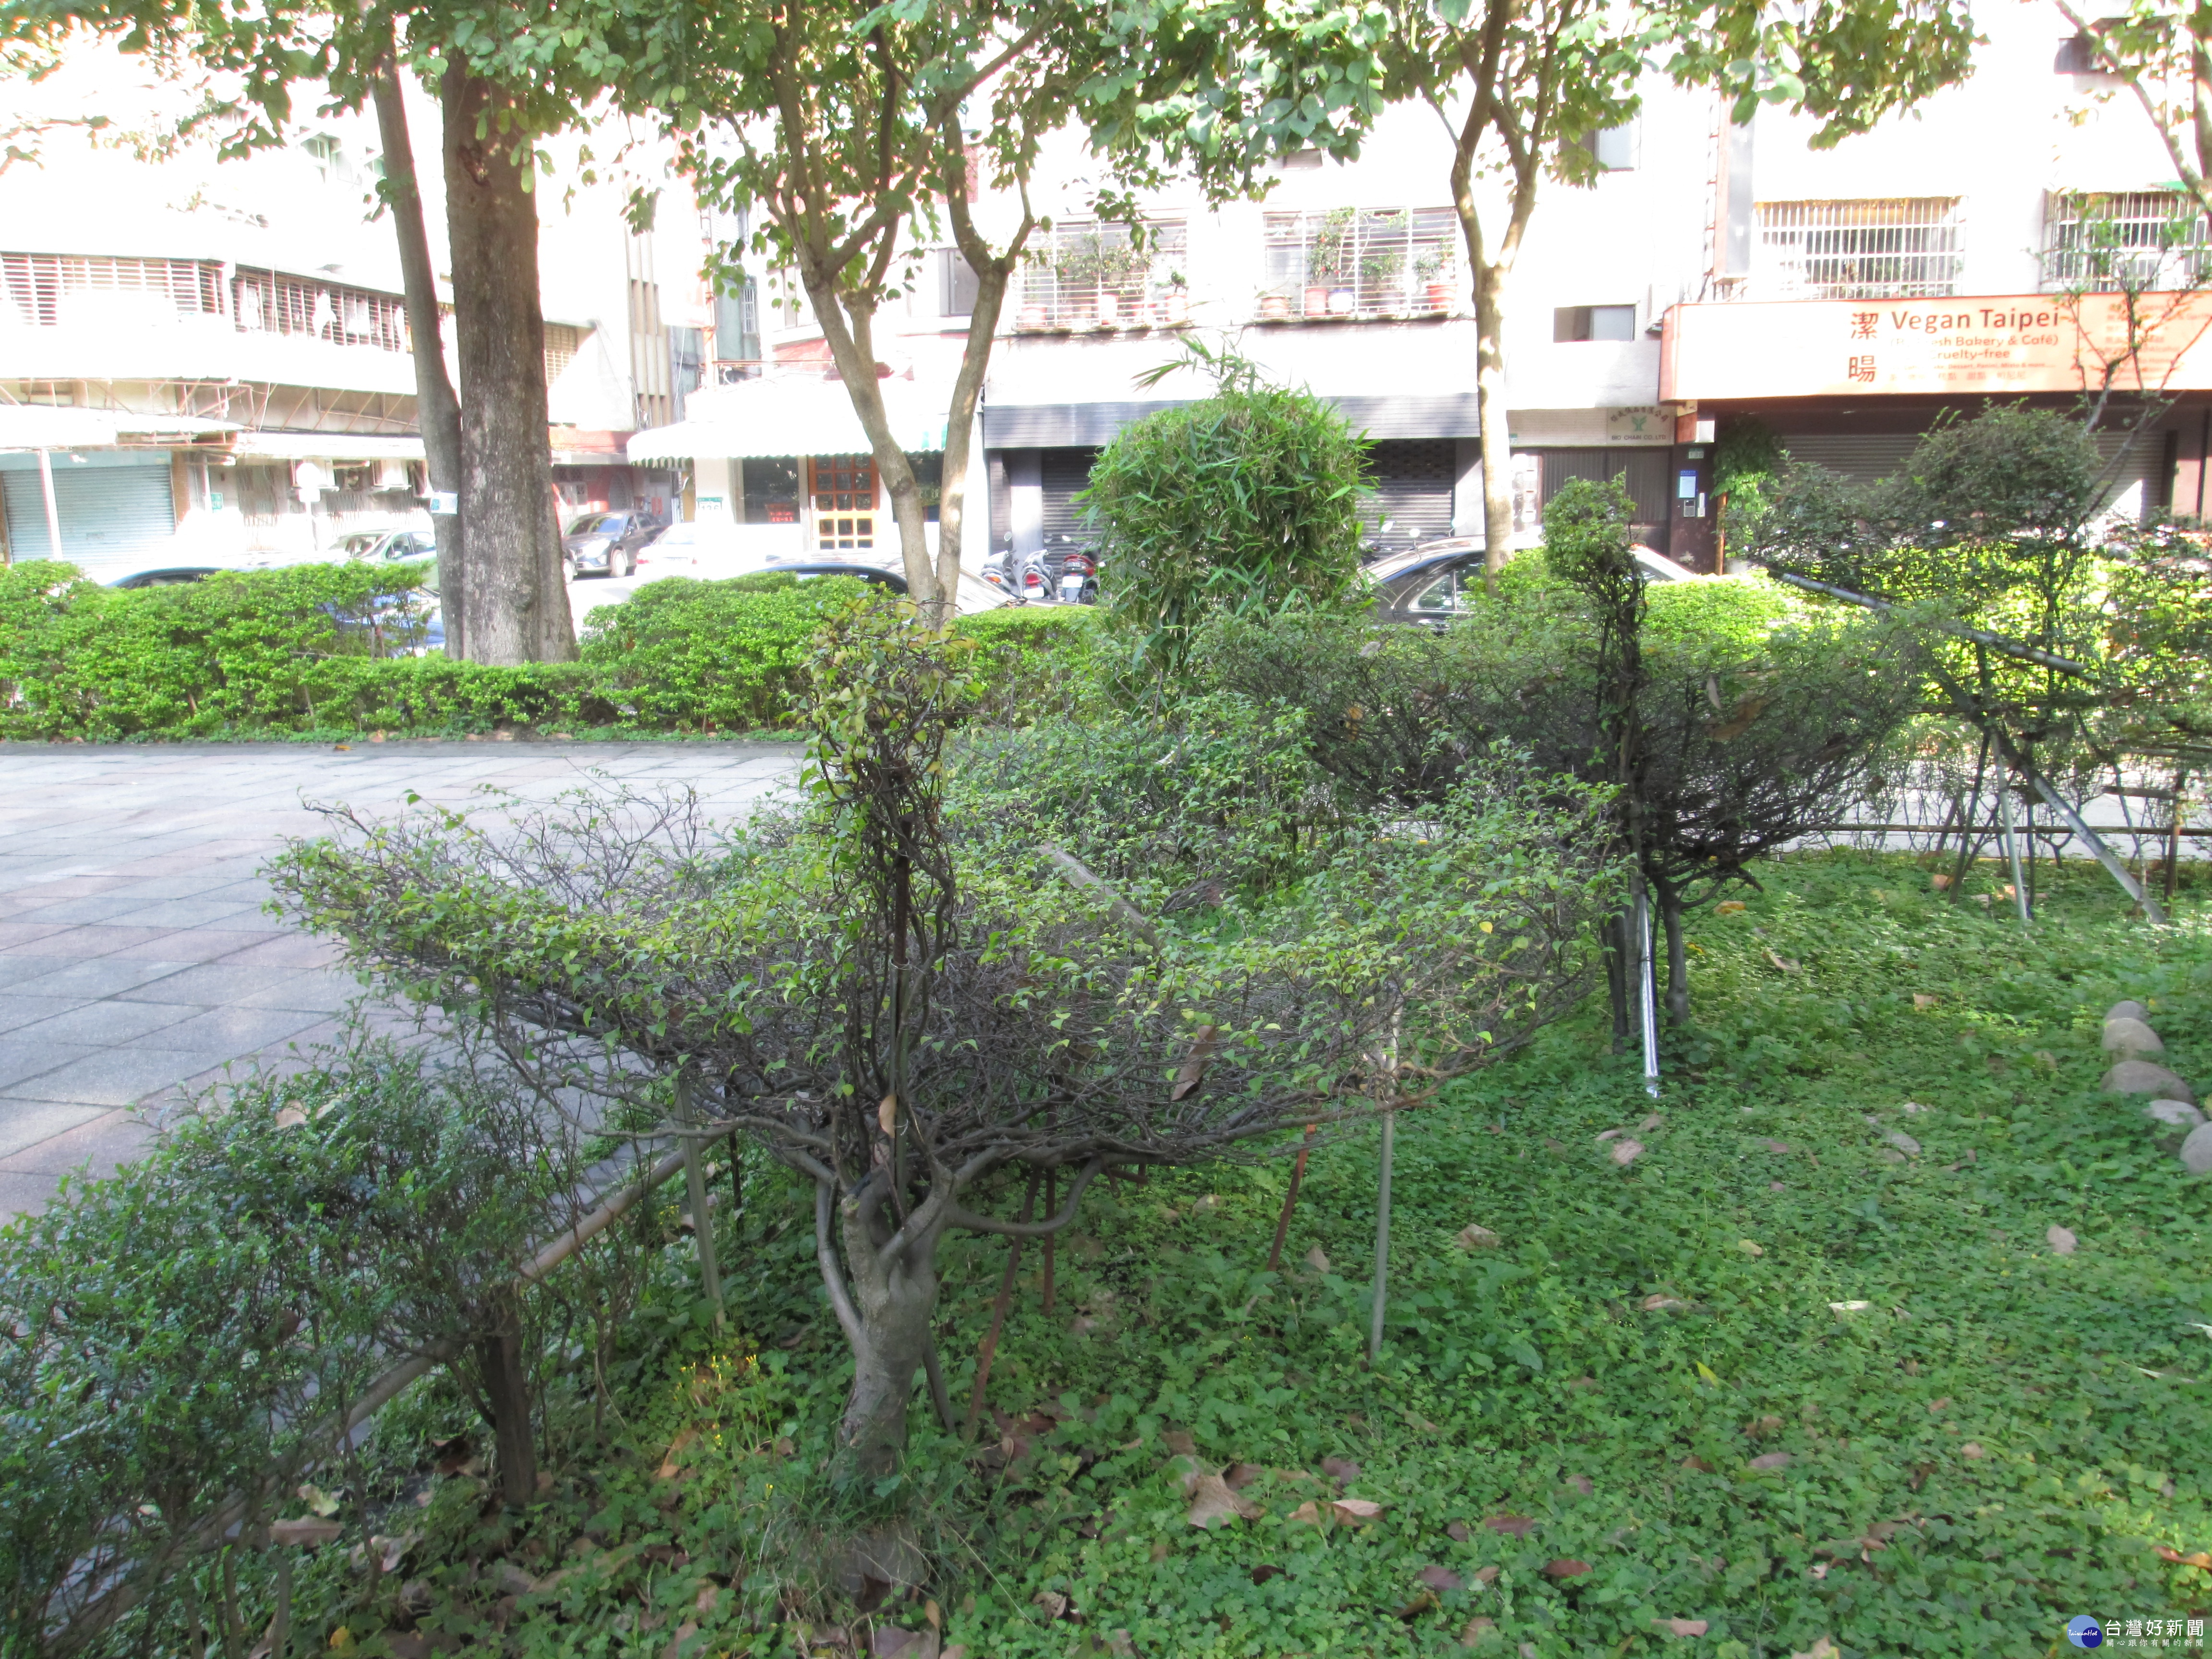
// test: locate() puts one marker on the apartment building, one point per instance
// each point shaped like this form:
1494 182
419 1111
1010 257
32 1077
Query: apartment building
1847 298
208 363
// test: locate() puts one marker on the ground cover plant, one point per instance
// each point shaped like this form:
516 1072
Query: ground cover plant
1626 1407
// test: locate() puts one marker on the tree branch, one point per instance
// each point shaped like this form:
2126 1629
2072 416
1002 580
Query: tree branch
968 1219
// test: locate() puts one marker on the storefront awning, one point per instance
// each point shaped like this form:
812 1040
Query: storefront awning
325 447
793 417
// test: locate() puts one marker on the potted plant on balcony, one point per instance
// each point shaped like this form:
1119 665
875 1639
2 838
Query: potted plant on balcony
1172 308
1329 262
1429 271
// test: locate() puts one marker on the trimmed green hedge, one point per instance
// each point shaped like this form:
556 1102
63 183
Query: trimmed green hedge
330 649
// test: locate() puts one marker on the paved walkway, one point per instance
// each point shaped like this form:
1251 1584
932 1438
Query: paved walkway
136 962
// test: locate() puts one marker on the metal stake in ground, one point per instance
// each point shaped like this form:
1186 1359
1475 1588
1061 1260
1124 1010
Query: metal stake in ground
1290 1201
998 1314
1647 990
1382 1192
2012 849
695 1184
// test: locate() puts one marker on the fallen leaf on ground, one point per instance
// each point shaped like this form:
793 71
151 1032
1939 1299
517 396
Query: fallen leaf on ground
1609 1135
1786 967
1441 1579
1659 1303
290 1118
1518 1526
1475 1629
1565 1567
1729 908
1915 1106
1318 1259
1758 1425
1682 1627
1307 1514
1262 1573
1850 1306
1483 1576
1340 1469
1651 1123
1472 1237
1241 1475
1179 1441
1777 1146
1356 1511
1052 1601
1823 1649
1458 1531
1770 1460
668 1468
1750 1248
1698 1463
1972 1449
1627 1151
1938 1405
1212 1505
1922 1000
1582 1484
1192 1070
2061 1239
2202 1558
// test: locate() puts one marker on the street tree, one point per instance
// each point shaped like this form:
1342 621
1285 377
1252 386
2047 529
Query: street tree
896 1001
501 578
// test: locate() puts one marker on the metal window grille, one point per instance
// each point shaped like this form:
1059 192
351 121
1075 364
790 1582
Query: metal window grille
1347 262
1091 273
49 290
1892 248
265 302
2132 240
562 342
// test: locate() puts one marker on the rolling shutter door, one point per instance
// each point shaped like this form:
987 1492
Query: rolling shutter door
1642 471
111 516
1413 480
1862 456
1066 474
2132 469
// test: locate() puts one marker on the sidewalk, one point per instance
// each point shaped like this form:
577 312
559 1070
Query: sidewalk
136 962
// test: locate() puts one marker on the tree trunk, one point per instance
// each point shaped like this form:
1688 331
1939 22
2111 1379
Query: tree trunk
1619 957
437 411
959 425
1678 957
895 1303
507 1391
1492 417
512 596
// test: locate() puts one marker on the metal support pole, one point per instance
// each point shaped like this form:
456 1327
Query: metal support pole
53 513
2012 848
695 1184
1382 1233
1647 990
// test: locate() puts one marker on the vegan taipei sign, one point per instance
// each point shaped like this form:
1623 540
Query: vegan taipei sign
1993 345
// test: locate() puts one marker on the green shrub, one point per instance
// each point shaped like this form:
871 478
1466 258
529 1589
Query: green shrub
1246 502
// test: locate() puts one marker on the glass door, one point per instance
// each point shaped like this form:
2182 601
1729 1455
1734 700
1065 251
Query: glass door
844 491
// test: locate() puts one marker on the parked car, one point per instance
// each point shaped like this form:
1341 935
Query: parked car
389 545
607 544
1439 581
972 594
168 576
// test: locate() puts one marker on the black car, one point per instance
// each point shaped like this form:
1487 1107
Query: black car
174 576
607 544
865 573
1439 580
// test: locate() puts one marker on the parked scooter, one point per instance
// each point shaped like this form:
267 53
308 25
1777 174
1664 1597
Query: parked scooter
999 571
1078 579
1037 586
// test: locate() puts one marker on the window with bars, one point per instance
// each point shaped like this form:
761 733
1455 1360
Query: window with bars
1887 248
54 291
1094 274
266 303
1353 262
844 496
562 342
2132 240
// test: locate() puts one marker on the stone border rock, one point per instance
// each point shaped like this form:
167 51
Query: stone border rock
2179 1127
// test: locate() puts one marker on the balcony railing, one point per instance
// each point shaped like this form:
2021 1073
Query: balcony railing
2131 240
1884 248
1362 262
1087 274
99 292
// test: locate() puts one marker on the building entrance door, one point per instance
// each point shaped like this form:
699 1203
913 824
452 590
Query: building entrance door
843 488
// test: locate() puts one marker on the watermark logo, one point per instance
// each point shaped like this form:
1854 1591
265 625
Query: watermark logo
2083 1631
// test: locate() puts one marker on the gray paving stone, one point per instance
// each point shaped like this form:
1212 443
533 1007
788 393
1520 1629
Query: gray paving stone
20 1060
198 945
118 1077
110 1022
98 939
17 1011
198 912
106 908
25 1123
208 983
226 1030
102 977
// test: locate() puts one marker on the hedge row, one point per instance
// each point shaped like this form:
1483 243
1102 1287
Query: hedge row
333 648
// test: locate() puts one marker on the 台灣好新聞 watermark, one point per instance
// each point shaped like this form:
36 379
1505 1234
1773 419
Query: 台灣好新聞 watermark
2085 1631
